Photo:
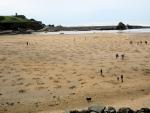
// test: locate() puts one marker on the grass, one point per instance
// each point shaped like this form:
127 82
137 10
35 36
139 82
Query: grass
13 19
19 21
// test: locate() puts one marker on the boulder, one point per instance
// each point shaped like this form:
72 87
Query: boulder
96 109
110 110
121 26
125 110
75 111
143 110
83 111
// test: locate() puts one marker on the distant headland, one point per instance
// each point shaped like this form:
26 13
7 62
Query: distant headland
120 26
20 24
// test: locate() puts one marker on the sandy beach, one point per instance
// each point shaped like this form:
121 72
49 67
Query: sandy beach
58 72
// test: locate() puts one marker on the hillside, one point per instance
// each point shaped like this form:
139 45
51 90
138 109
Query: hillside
9 19
19 22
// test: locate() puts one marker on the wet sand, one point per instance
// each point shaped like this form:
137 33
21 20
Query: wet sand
58 72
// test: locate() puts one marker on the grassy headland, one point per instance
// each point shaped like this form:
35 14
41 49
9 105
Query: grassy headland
19 23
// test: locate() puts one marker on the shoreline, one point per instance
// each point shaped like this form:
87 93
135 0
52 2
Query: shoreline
141 30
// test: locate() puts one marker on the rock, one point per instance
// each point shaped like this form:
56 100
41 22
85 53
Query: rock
75 111
66 111
83 111
97 109
103 109
110 110
93 112
125 110
143 110
121 26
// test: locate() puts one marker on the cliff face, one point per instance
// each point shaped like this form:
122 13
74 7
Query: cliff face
19 22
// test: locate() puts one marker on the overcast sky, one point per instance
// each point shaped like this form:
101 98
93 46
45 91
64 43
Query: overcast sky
80 12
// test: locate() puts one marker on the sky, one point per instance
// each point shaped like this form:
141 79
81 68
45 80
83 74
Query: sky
80 12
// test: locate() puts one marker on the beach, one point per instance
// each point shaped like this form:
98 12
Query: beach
55 73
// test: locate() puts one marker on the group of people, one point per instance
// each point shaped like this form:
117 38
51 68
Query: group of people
140 42
122 56
120 78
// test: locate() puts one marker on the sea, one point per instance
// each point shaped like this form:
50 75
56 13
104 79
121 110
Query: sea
145 30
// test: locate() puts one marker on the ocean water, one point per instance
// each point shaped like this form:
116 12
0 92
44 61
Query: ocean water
146 30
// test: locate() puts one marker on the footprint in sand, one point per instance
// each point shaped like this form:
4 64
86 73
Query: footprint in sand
95 84
72 93
80 79
41 88
21 83
58 86
57 75
28 84
19 79
79 74
83 83
56 81
74 72
4 80
40 83
51 78
68 81
35 78
22 91
92 77
72 87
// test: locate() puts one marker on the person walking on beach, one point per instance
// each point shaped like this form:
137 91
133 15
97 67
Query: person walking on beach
27 43
131 42
122 56
118 79
122 78
117 55
146 42
101 72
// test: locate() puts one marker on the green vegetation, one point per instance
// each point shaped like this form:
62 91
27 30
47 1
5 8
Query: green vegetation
19 22
11 19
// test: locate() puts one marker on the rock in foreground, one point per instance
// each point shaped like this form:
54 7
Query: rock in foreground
103 109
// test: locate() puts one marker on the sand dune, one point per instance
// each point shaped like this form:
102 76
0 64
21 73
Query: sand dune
58 72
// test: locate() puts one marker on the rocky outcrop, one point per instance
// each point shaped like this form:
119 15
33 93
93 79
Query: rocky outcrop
143 110
96 109
125 110
103 109
121 26
110 110
19 23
